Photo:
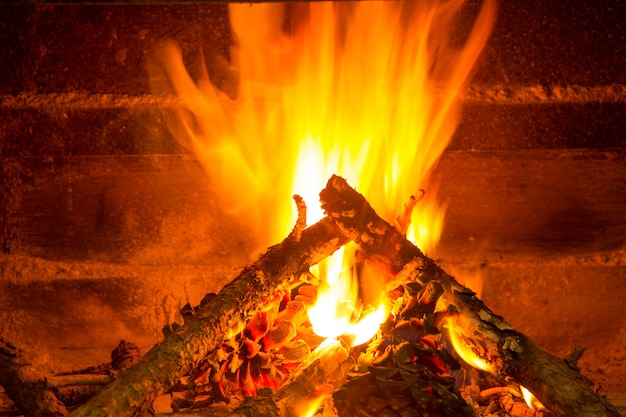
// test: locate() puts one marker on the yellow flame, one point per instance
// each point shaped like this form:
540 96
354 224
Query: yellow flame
427 223
311 407
464 350
337 310
335 303
363 330
531 401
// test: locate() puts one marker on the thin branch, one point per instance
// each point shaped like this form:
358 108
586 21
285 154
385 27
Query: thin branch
404 219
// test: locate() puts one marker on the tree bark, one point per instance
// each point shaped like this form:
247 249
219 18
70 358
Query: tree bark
560 387
279 268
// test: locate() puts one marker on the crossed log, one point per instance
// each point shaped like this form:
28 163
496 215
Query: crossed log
557 384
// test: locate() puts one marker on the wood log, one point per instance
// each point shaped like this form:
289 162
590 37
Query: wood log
25 386
78 379
309 385
560 387
182 351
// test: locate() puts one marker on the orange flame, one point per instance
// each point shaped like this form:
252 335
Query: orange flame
366 90
464 350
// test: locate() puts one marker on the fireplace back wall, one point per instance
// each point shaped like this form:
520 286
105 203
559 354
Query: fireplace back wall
109 226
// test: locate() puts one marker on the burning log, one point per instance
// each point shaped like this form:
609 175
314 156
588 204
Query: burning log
560 387
280 268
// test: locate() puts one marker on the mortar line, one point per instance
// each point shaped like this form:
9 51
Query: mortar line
507 95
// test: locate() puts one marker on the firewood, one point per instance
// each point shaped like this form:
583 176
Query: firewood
77 379
221 317
25 386
559 387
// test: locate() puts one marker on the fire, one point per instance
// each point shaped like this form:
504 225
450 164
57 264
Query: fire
364 90
531 400
336 301
339 309
464 350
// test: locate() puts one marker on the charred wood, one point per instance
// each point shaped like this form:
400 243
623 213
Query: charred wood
77 379
404 219
25 386
77 387
561 388
493 401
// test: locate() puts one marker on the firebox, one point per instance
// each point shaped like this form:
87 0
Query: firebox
121 210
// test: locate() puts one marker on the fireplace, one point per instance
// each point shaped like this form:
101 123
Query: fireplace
110 225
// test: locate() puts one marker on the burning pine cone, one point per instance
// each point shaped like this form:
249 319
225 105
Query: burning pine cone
263 355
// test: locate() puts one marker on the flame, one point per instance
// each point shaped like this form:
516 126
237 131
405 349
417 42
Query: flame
427 224
464 350
366 90
363 330
532 401
311 407
336 302
338 308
